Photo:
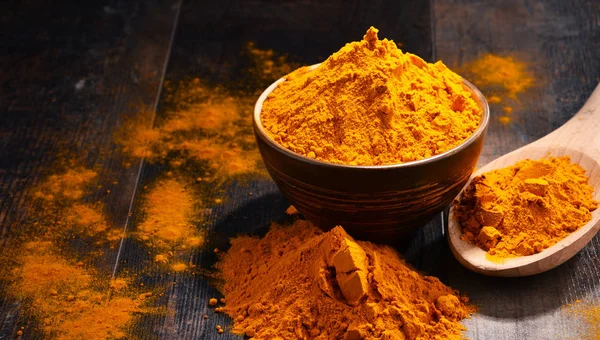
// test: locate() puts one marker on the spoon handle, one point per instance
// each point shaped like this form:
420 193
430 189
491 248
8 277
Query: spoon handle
582 132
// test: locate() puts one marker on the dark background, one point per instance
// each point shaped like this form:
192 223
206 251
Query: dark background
72 72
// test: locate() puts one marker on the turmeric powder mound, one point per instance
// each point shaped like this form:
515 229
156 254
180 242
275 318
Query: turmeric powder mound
525 208
371 104
300 283
65 296
170 217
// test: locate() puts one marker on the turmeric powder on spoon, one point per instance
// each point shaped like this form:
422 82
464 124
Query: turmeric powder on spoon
371 104
525 208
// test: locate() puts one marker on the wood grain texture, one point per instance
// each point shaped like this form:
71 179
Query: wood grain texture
70 76
560 41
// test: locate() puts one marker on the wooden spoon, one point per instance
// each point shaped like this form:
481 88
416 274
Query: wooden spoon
579 138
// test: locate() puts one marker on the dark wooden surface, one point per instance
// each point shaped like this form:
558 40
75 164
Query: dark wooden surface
71 74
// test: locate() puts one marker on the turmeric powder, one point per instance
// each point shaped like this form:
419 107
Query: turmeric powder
55 286
505 76
206 124
589 312
170 218
67 298
300 283
525 208
69 185
501 78
371 104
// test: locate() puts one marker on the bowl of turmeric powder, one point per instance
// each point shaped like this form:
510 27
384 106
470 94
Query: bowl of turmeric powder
373 139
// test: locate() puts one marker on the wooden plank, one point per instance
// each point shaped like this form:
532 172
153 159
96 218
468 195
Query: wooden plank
208 44
70 76
561 43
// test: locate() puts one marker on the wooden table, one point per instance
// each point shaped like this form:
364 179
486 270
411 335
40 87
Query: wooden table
71 74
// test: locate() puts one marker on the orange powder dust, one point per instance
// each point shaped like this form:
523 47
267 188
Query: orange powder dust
266 65
170 216
179 266
207 125
68 185
66 297
501 79
62 212
118 284
85 219
504 120
505 74
233 159
589 314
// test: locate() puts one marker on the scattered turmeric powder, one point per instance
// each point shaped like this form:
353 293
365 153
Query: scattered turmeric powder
504 74
170 217
212 113
69 185
501 78
589 313
410 109
67 297
70 300
118 284
179 267
208 124
290 283
87 219
504 120
525 208
62 210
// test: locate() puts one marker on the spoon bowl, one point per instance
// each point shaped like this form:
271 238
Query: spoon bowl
579 139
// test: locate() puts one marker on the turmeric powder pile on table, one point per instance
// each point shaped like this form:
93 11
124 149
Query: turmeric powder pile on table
525 208
371 104
300 283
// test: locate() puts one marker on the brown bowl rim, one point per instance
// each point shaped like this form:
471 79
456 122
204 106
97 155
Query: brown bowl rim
475 136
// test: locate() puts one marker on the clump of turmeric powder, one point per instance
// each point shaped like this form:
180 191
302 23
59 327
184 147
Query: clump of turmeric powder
300 283
371 104
525 208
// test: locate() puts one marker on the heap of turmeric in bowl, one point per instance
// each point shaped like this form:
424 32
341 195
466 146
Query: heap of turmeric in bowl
371 104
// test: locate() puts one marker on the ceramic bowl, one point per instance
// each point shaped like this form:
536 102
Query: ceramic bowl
370 202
